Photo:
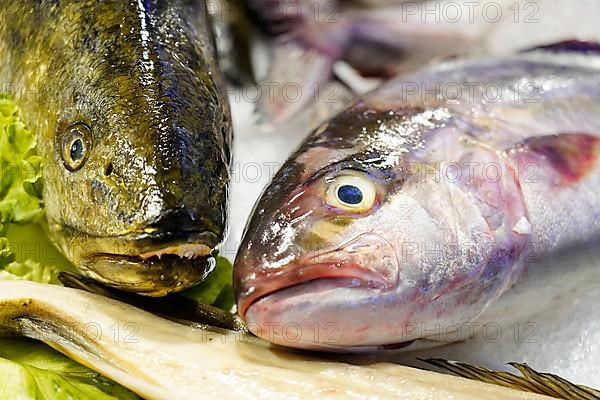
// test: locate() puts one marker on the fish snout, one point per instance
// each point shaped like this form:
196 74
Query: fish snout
368 261
186 225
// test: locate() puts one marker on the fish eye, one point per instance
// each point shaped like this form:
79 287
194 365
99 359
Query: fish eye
76 144
351 191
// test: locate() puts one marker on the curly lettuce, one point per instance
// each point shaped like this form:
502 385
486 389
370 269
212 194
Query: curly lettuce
20 193
32 370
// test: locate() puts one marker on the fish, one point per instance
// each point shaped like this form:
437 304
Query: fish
460 197
160 359
321 50
232 33
379 39
134 131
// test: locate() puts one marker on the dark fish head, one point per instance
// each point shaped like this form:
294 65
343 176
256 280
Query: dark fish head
356 243
137 170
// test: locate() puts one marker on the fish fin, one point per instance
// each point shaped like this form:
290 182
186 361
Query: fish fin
174 307
569 46
571 155
375 44
296 76
529 381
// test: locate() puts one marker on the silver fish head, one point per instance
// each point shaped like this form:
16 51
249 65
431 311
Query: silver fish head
359 241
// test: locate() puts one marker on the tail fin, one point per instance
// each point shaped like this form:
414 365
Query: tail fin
529 381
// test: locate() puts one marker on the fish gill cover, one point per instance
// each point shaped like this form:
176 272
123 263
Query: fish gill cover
31 370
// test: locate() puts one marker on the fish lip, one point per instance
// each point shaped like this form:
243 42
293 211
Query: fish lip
188 251
142 243
145 247
150 263
159 237
153 276
296 275
91 258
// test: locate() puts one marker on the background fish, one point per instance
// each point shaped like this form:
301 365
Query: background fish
133 129
446 199
320 47
375 38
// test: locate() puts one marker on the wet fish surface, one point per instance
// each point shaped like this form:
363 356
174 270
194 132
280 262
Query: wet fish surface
134 132
461 195
160 359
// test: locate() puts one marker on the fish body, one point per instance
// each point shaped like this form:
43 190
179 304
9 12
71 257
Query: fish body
160 359
461 195
134 131
378 39
321 47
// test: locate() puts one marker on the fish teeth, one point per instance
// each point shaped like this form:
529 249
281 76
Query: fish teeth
187 251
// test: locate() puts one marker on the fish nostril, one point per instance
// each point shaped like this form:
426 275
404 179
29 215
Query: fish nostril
108 169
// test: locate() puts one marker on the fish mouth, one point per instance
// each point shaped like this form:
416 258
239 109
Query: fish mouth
312 313
185 250
349 275
153 264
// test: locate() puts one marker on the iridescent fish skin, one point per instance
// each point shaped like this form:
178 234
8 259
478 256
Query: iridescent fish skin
469 196
134 131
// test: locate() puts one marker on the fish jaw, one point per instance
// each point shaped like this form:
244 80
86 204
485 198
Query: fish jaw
348 274
287 317
154 277
300 297
328 314
148 264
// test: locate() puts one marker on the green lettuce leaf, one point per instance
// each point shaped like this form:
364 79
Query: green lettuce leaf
32 370
35 257
20 178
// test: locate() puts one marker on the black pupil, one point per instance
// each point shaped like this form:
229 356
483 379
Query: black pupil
76 150
350 194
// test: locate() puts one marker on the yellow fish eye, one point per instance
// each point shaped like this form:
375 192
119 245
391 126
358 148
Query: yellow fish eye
76 144
351 191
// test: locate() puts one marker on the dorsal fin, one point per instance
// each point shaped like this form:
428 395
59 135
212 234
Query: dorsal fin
569 46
